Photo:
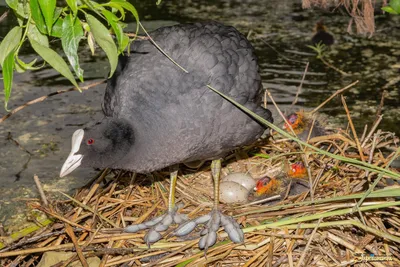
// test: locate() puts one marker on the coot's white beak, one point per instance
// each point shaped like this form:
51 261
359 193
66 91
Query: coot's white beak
74 160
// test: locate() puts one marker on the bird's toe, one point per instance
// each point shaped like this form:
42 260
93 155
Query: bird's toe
157 225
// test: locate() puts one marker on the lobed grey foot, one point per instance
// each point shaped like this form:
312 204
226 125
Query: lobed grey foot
213 221
157 225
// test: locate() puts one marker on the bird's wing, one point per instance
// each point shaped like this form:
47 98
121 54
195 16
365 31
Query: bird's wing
112 95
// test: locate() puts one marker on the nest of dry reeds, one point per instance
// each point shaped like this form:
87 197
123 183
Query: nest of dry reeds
349 217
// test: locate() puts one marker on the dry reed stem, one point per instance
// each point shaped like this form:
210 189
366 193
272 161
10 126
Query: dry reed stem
78 249
300 86
353 129
373 129
40 190
340 91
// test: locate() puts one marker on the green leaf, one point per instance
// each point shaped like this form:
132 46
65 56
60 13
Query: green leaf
104 40
10 42
55 60
57 13
35 34
122 39
115 7
8 72
22 10
111 17
313 48
12 3
27 66
57 28
389 9
72 33
73 6
125 42
158 2
19 69
37 16
95 7
128 6
48 7
395 4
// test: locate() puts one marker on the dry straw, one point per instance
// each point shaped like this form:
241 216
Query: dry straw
340 221
350 210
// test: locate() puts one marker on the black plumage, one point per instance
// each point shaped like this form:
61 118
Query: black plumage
322 36
170 116
157 115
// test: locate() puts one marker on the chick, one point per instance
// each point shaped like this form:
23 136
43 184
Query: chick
297 170
322 36
285 183
301 124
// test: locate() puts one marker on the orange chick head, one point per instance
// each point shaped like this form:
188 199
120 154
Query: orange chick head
296 120
267 186
297 170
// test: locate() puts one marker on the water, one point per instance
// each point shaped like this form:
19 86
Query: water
45 129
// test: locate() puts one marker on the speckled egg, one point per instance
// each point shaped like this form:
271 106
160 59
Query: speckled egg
231 192
241 178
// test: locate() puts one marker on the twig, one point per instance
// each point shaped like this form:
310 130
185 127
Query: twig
9 137
70 232
310 180
42 98
261 201
364 133
111 251
379 110
137 36
36 238
371 154
59 217
283 116
40 189
332 96
5 14
331 137
371 188
296 98
353 129
256 256
371 132
333 67
303 255
177 251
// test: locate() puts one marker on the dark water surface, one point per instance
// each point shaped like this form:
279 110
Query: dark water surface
45 129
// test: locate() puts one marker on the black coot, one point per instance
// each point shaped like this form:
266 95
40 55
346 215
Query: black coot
322 36
156 115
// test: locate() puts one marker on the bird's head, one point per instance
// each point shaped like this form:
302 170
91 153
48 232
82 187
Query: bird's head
297 170
320 27
296 121
99 146
267 186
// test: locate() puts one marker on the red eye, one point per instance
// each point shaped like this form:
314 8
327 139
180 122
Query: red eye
90 141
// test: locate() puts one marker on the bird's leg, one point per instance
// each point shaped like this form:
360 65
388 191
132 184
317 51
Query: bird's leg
171 197
161 223
214 220
216 173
